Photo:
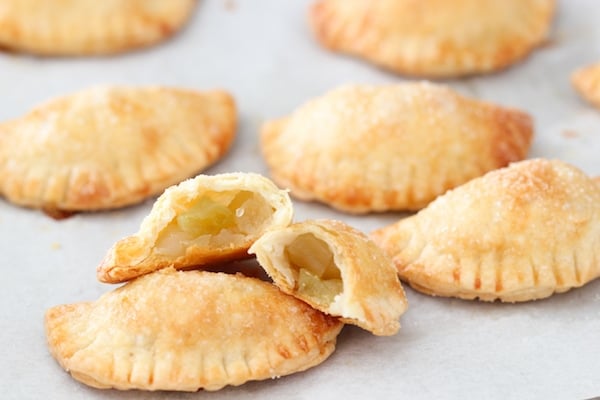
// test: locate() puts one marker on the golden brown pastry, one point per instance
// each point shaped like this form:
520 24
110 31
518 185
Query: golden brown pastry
337 270
433 38
89 27
107 147
586 81
376 148
202 221
185 331
519 233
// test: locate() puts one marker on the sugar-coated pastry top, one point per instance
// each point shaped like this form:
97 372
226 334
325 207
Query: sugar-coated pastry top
185 331
89 27
434 38
519 233
110 146
586 81
362 148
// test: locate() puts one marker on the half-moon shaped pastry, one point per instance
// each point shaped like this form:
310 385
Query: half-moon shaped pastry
89 27
586 81
337 270
433 38
375 148
516 234
107 147
185 331
210 219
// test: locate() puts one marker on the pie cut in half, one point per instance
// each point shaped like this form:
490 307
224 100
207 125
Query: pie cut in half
111 146
586 81
363 148
337 270
433 38
184 331
89 27
516 234
207 220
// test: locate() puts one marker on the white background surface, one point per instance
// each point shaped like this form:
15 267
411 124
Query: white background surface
263 52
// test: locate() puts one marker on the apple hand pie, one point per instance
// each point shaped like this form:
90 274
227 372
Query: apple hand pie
516 234
433 38
89 27
586 81
185 331
107 147
337 270
202 221
366 148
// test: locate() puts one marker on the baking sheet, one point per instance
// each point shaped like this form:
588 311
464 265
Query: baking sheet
263 52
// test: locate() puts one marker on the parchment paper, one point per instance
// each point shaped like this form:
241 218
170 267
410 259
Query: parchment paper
263 52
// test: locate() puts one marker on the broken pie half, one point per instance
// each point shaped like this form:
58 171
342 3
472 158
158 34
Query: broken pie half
111 146
89 27
586 81
362 148
516 234
336 269
210 219
174 330
433 38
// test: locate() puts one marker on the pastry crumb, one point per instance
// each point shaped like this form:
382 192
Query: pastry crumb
569 134
230 5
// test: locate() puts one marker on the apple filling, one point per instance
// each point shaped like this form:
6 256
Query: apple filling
317 276
215 220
